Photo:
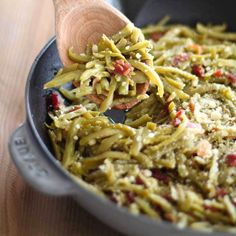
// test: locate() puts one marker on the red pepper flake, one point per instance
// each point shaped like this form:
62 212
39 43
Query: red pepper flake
218 73
180 58
231 160
159 175
198 70
55 100
139 181
155 36
221 192
122 68
130 197
231 78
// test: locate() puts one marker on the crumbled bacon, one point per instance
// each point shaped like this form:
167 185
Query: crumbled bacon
122 68
168 197
76 83
169 217
198 70
113 198
139 181
180 113
221 192
176 122
218 73
191 106
211 208
178 118
126 106
231 78
165 111
231 160
155 36
130 197
75 108
180 58
160 175
55 100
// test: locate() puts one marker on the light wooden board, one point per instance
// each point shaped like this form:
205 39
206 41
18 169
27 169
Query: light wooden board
25 26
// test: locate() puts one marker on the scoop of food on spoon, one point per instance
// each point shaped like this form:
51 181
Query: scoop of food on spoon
79 22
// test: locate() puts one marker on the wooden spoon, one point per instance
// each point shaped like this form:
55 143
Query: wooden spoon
79 22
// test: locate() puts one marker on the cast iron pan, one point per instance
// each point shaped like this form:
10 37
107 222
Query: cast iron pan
29 144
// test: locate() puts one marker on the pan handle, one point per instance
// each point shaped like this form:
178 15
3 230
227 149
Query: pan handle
33 165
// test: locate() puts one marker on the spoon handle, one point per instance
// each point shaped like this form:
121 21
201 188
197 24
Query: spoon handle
70 3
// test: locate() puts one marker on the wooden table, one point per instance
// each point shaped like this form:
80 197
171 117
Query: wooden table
25 26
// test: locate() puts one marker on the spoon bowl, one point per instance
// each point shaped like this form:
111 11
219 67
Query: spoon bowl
80 22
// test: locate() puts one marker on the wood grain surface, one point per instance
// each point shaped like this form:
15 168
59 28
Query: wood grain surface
25 26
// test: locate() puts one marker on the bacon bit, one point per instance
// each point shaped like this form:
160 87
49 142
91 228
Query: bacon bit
122 68
180 58
195 48
215 129
130 197
180 113
142 88
192 106
159 175
75 108
155 36
231 160
218 73
165 111
169 217
178 118
168 197
55 100
198 70
139 181
211 208
76 83
221 192
113 198
176 122
126 106
194 164
231 78
204 148
98 99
